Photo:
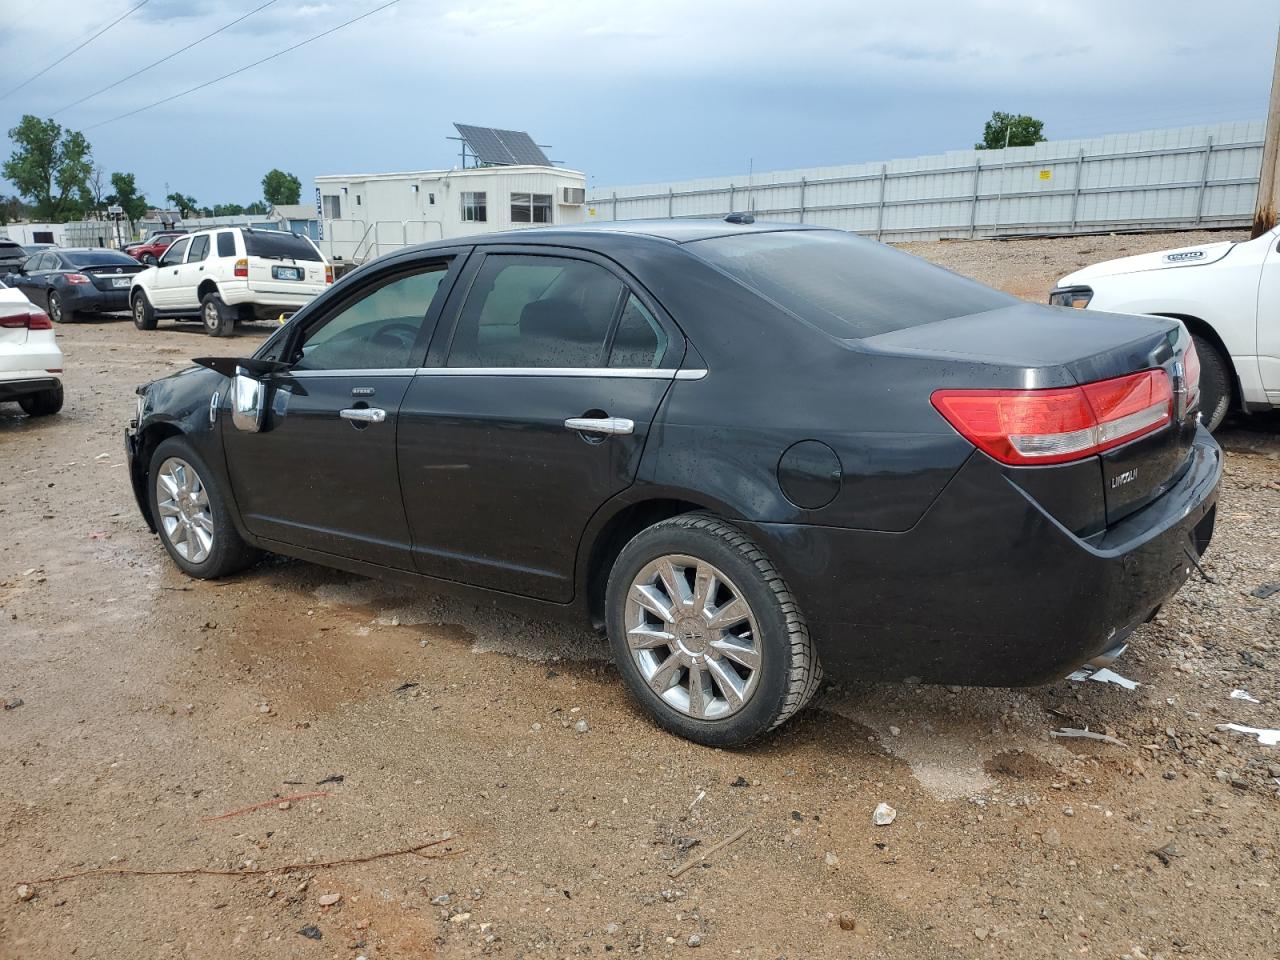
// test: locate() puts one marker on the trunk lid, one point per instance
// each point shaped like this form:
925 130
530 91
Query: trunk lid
112 276
1030 346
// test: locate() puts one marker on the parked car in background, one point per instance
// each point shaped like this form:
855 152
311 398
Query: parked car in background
1227 294
30 361
150 250
81 280
743 450
31 249
11 257
227 275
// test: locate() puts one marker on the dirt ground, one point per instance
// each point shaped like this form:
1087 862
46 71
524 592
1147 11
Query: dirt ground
153 704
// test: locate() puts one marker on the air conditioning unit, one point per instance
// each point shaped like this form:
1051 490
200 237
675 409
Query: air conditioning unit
575 196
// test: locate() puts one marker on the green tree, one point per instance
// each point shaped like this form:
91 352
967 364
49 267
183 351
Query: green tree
11 209
125 193
187 206
257 208
279 187
51 167
1020 130
227 210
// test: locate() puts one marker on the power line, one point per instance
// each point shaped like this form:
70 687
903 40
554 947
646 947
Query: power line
73 50
157 63
249 66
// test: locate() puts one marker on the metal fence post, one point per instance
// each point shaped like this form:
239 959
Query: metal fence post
1075 197
615 205
973 208
884 172
803 184
671 202
1204 180
731 198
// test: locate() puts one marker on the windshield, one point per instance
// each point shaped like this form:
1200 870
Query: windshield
845 285
99 258
278 245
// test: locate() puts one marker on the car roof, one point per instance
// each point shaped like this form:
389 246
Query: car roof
675 231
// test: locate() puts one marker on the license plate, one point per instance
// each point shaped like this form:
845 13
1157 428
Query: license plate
121 281
288 273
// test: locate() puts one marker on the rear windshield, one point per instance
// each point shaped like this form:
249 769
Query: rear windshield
278 245
845 285
99 258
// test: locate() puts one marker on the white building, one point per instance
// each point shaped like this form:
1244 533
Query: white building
365 215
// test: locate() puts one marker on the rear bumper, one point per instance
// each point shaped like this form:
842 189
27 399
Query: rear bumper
16 389
241 292
988 588
85 299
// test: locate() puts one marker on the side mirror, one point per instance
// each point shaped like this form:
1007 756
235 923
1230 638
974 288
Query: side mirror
248 401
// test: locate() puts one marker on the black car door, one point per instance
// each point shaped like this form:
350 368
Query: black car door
530 416
34 281
321 474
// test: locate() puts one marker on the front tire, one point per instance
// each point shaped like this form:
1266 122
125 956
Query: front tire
192 515
219 320
144 315
706 633
1215 384
42 404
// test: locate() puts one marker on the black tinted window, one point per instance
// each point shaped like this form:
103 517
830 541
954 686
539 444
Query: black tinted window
639 340
226 244
97 258
378 331
278 245
199 248
525 311
845 285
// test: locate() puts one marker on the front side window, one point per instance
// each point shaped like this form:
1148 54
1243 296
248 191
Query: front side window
529 311
531 208
380 331
474 208
199 248
175 253
639 341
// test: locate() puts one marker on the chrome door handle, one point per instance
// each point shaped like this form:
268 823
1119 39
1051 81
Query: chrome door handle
363 414
611 426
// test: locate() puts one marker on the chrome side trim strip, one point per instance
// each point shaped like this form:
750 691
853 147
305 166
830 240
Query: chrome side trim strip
634 373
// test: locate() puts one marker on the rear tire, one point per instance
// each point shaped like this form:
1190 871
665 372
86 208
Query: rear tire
1215 384
144 315
219 320
180 486
42 404
57 312
771 628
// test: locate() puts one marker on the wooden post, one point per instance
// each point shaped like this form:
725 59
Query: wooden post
1264 212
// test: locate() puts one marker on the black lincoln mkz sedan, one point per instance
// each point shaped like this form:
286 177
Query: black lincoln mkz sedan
749 452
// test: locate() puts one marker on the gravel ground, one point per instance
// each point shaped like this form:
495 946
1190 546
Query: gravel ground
153 705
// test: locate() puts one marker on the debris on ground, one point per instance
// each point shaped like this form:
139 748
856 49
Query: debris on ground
328 899
407 685
714 848
581 726
1104 675
1268 738
280 803
1167 853
883 815
1086 734
13 703
1265 591
332 778
1244 695
25 892
311 932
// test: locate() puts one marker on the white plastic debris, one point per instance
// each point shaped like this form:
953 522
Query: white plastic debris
1244 695
1268 738
883 815
1103 675
1086 735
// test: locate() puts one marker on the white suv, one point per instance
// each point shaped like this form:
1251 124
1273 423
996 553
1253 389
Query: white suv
30 361
229 274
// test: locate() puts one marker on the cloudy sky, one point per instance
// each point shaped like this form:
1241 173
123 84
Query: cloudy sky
629 92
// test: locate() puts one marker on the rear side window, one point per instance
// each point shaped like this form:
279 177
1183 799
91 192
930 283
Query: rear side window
278 245
845 285
226 244
527 311
639 340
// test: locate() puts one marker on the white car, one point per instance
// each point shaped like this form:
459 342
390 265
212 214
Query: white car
229 274
1228 296
30 361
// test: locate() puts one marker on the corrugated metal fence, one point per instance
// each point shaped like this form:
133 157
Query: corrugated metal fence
1161 179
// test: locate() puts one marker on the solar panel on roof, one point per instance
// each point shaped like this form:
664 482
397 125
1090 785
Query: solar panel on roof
502 147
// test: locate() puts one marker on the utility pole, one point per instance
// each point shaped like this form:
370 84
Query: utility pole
1264 213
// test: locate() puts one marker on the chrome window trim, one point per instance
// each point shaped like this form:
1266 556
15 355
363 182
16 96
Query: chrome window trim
632 373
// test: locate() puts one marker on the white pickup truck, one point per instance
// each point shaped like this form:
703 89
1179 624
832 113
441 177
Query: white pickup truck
1228 296
227 275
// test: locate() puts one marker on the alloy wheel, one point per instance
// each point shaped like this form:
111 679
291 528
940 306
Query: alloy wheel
139 310
693 637
211 317
55 308
183 504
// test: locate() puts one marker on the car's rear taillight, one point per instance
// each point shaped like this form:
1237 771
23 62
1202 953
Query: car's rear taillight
1058 425
242 268
35 320
1191 370
328 273
77 278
